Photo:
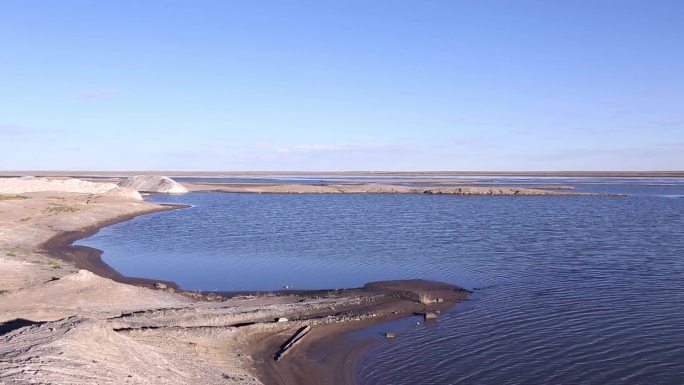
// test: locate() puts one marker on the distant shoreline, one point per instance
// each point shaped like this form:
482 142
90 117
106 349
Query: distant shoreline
194 173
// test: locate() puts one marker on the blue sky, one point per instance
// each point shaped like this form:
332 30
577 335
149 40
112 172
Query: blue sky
342 85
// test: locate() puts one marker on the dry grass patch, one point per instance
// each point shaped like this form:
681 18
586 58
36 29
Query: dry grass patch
54 263
12 197
55 208
14 249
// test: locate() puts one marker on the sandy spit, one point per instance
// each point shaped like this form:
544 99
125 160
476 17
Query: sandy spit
380 189
68 318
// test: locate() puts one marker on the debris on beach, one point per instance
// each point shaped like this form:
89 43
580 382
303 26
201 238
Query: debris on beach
430 315
292 342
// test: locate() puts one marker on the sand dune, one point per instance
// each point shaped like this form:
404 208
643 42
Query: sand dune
70 185
153 184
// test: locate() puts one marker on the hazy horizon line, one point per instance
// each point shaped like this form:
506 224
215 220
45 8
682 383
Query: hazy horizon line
344 172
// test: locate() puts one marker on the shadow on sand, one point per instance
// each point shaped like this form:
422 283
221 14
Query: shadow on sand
6 327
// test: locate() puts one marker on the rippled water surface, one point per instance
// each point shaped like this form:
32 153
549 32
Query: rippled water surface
568 290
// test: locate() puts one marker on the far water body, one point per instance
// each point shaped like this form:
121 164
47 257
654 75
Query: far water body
568 290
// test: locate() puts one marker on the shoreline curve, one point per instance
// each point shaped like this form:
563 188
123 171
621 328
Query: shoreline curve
328 357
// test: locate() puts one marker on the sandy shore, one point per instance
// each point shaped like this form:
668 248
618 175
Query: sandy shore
301 188
61 247
62 324
389 183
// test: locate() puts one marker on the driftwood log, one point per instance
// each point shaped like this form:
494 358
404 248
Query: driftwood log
293 341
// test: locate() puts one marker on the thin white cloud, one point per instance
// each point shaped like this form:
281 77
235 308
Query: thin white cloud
11 130
333 147
21 132
99 94
404 145
664 156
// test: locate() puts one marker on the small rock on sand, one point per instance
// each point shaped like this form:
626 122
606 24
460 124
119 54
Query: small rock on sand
430 315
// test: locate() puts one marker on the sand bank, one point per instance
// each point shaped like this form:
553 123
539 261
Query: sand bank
60 323
265 188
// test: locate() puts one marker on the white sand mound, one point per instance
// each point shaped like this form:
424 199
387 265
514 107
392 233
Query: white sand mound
154 184
32 184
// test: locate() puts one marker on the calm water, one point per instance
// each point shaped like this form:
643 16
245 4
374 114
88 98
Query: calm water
569 290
